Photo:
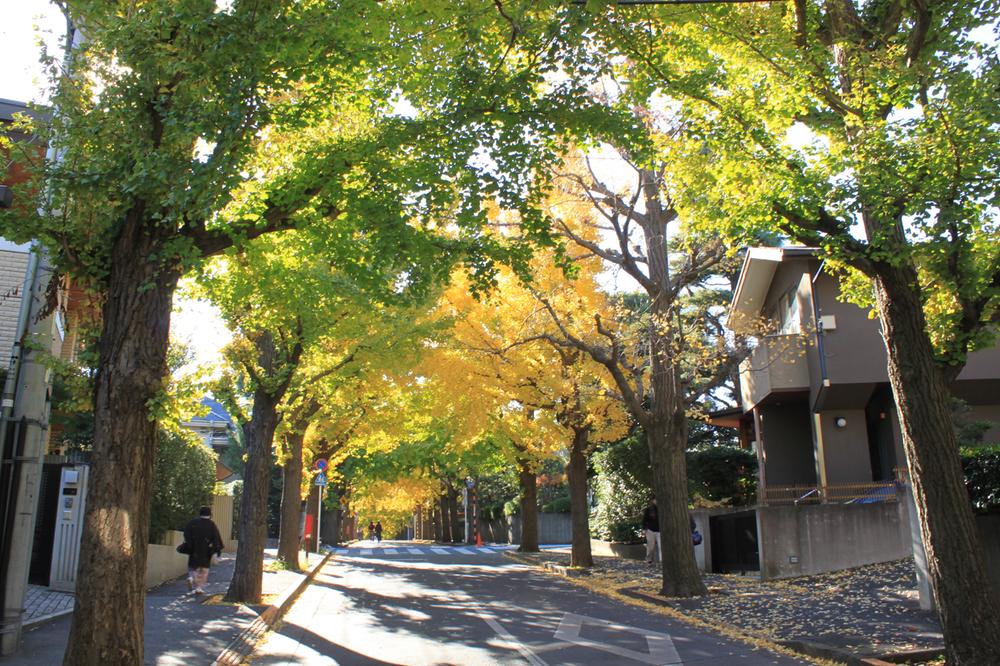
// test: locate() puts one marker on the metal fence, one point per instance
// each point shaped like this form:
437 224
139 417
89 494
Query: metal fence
842 493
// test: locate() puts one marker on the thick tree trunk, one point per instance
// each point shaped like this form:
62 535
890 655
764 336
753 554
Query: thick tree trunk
291 502
579 509
445 519
107 625
529 509
258 433
456 522
969 613
681 577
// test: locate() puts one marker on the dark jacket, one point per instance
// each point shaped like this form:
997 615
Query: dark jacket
651 519
203 537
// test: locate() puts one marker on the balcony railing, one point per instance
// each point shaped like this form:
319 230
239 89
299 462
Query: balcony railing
846 493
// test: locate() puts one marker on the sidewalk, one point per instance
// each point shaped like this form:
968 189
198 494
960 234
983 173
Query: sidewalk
863 613
181 629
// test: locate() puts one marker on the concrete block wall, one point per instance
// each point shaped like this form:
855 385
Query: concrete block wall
553 528
804 540
13 264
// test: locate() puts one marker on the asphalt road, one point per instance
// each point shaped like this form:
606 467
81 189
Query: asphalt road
419 605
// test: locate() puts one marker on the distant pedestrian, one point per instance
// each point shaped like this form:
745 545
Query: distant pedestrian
651 528
371 531
378 531
203 540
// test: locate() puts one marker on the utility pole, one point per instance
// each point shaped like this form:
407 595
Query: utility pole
25 406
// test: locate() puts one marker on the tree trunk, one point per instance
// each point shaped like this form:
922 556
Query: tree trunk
456 523
969 614
438 526
576 470
529 509
681 577
291 502
107 625
258 433
445 519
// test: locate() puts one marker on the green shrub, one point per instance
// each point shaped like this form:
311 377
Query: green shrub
982 477
725 474
558 505
183 480
622 486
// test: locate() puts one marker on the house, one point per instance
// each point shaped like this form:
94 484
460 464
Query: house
816 401
817 408
216 430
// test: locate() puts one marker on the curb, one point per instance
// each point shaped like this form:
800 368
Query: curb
45 619
245 643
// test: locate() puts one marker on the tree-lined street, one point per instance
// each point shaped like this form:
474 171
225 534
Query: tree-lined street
481 267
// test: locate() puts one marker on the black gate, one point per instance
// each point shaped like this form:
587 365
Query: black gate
734 542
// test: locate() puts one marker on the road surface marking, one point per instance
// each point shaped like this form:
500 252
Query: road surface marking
415 551
390 551
366 551
512 642
439 551
661 646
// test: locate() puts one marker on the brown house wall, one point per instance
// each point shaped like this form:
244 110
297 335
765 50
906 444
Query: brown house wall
787 440
845 450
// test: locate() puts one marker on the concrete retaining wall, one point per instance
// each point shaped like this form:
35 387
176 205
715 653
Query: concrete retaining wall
803 540
628 551
164 563
552 528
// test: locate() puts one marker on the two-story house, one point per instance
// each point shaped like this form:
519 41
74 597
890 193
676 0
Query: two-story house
817 408
815 392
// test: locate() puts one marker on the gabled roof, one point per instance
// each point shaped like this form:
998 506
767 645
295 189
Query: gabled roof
216 412
756 274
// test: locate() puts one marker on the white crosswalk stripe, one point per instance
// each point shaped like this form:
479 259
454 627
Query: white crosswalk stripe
492 549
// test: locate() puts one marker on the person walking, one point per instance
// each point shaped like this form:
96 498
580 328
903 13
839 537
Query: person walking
371 531
378 531
651 528
203 541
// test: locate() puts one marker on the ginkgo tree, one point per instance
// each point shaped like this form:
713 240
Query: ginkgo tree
156 129
867 130
541 398
649 356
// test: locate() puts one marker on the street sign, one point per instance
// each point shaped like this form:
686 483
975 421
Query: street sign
321 464
320 479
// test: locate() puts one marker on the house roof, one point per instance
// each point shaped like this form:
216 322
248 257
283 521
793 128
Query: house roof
8 107
756 274
216 412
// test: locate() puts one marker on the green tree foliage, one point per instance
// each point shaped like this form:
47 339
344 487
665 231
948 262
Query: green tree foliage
725 474
183 479
982 477
623 486
869 130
